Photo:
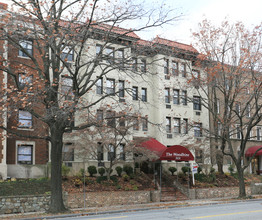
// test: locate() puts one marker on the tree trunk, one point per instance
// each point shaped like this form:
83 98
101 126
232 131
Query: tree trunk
219 159
241 182
56 204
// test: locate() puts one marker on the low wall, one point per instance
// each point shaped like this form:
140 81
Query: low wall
99 199
216 192
256 188
21 204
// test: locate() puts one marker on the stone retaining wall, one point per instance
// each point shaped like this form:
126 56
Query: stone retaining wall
216 192
99 199
21 204
256 188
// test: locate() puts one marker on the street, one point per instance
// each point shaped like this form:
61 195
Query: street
239 210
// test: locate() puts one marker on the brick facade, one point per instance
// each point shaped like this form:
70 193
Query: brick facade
38 129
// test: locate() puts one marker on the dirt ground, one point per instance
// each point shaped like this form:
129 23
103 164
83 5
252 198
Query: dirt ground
146 182
140 182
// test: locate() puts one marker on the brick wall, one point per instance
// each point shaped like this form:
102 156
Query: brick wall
38 128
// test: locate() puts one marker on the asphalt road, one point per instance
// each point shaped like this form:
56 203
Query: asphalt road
239 210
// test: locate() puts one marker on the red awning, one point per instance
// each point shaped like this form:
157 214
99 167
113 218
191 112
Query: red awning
154 146
250 151
177 153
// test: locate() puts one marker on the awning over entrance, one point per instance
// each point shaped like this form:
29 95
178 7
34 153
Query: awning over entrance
177 153
250 151
154 146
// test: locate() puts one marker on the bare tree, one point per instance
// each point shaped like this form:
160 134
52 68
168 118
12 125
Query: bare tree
231 58
113 137
58 39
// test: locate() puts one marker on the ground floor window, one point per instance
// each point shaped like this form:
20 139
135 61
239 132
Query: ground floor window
25 154
68 152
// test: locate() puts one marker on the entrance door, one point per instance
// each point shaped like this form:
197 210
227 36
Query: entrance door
254 165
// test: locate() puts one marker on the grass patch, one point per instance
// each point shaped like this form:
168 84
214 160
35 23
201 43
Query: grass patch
25 187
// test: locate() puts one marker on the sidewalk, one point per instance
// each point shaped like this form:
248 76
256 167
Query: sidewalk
124 208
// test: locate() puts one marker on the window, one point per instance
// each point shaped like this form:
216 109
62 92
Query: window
184 97
217 106
111 152
109 55
183 69
136 124
99 116
27 46
67 54
198 130
144 95
238 132
259 133
227 84
228 110
144 124
25 119
67 88
134 64
98 49
238 108
199 156
100 152
122 122
249 134
228 160
25 154
135 93
177 125
68 152
122 155
196 103
196 74
167 95
143 66
175 68
166 66
185 126
248 110
176 97
120 58
99 86
219 128
168 124
121 88
111 120
110 86
25 82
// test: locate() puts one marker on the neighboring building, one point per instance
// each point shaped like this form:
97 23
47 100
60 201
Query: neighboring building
3 78
21 157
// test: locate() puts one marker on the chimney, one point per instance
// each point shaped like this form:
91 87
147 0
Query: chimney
3 6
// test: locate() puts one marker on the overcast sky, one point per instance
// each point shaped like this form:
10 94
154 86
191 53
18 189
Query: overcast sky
194 11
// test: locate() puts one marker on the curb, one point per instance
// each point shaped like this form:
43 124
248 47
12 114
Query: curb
186 204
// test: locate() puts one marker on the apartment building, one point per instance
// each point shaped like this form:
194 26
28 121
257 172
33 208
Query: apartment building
156 83
158 88
152 83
